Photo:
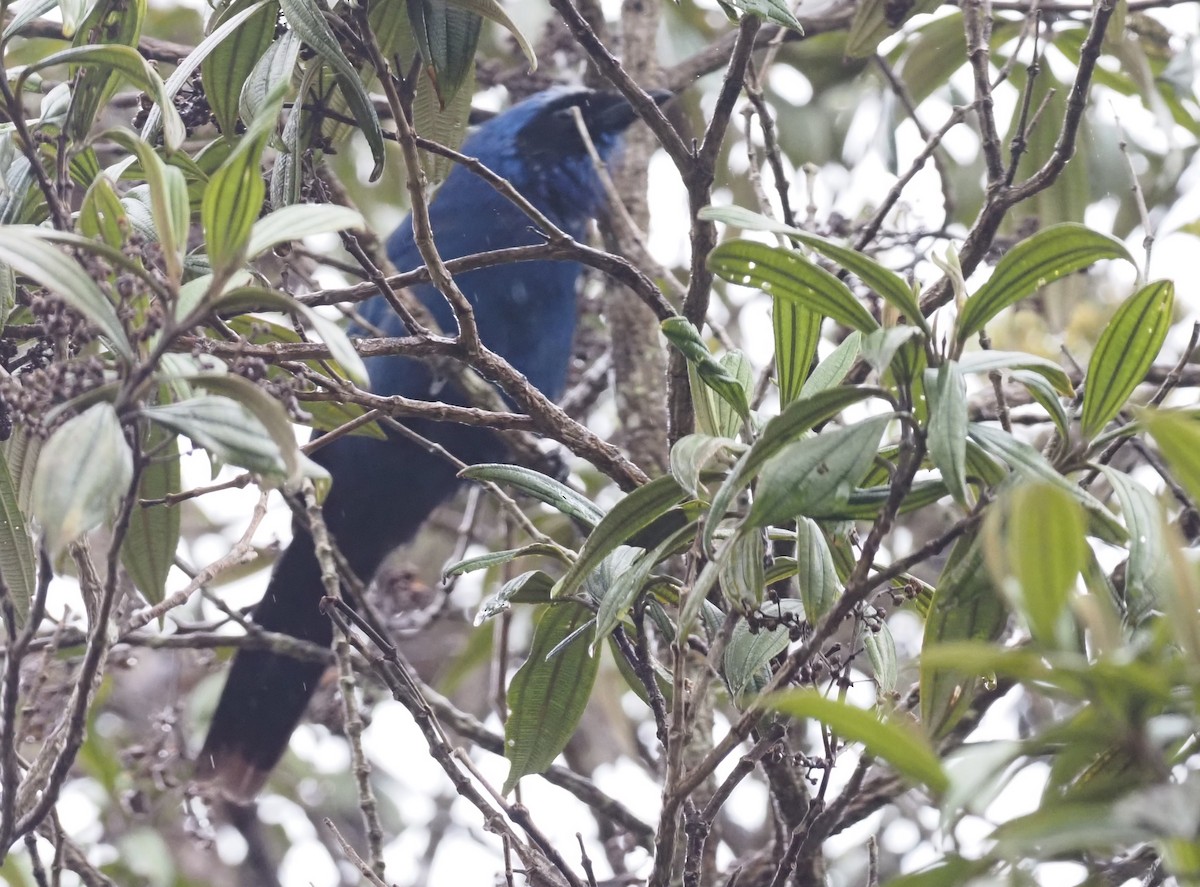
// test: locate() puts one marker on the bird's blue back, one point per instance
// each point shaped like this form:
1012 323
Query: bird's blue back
384 489
525 312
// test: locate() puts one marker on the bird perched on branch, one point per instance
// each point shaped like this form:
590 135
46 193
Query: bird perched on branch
384 489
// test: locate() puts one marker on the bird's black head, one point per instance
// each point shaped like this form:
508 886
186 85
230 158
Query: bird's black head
554 128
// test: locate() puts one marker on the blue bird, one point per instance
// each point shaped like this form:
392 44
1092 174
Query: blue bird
383 490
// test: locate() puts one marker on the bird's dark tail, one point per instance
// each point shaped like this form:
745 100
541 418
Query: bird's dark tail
266 693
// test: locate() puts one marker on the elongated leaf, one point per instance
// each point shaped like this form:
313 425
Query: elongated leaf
1046 397
1032 465
965 607
127 61
16 548
741 570
23 248
271 417
107 22
884 282
83 471
820 587
986 361
876 19
528 588
494 12
787 274
225 428
1148 566
1177 434
880 647
1050 254
165 198
547 696
498 558
685 337
276 63
241 32
330 333
694 455
297 222
808 475
628 571
797 418
1126 349
748 652
833 369
946 393
235 192
307 18
635 512
889 740
149 548
1043 553
545 489
797 334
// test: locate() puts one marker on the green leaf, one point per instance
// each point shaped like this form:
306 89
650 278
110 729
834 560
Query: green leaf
545 489
528 588
498 558
24 249
307 18
748 652
111 22
696 455
1048 255
797 334
83 471
1046 397
276 63
890 740
946 393
169 205
16 548
101 214
1177 433
233 199
635 512
876 19
808 475
547 696
686 338
884 282
880 647
953 871
741 570
772 10
270 416
149 548
1044 550
446 36
1032 465
240 34
986 361
329 331
833 369
1147 569
786 274
797 418
127 61
494 12
965 607
820 587
226 429
616 584
880 348
1126 349
299 221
